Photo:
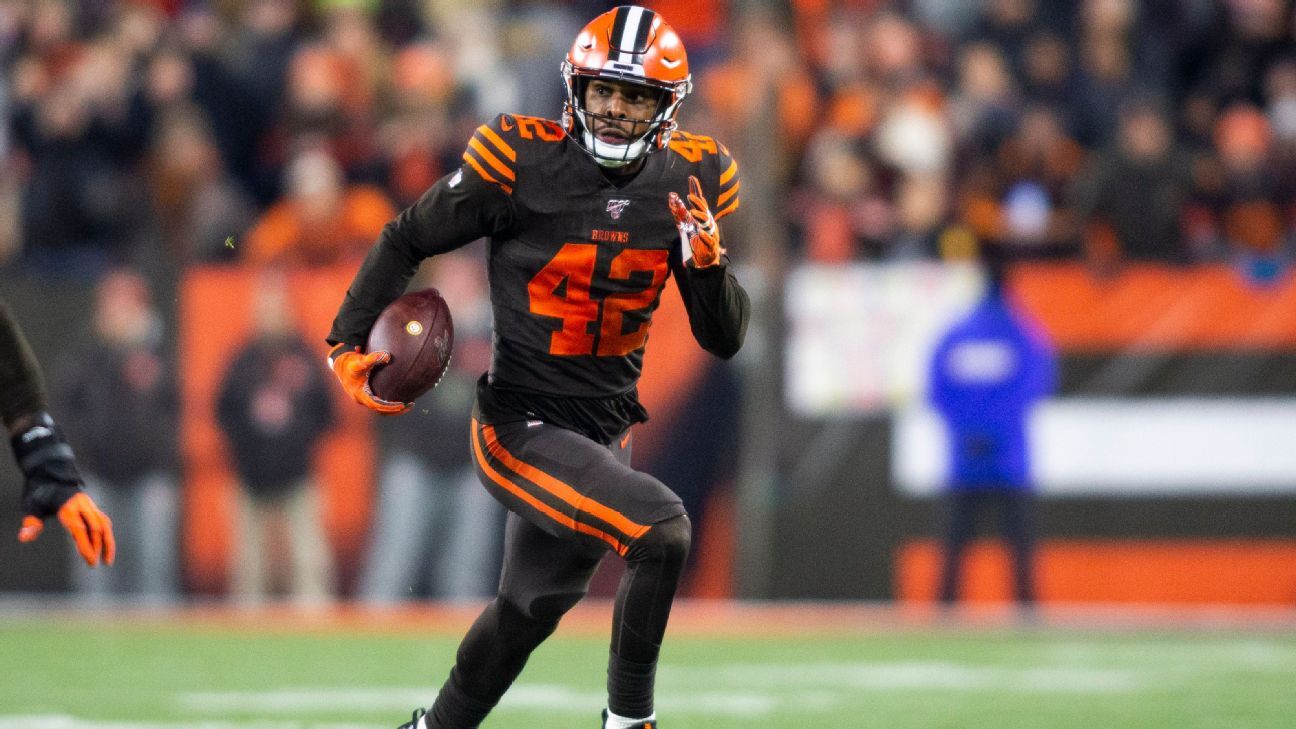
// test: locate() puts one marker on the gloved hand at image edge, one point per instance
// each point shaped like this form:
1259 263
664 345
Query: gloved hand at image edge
52 485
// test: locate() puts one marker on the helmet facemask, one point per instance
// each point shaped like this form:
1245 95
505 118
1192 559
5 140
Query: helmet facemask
579 121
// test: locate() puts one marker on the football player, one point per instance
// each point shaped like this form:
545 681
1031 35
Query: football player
52 484
586 219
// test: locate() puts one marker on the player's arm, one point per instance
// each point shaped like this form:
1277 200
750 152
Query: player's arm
51 482
718 307
468 204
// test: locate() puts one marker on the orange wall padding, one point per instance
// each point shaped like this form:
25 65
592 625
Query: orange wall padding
1157 307
215 319
1235 571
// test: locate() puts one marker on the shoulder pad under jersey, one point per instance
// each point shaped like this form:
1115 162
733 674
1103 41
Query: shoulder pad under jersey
493 150
717 169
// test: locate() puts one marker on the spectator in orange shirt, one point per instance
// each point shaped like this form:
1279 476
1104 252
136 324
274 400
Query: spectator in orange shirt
320 219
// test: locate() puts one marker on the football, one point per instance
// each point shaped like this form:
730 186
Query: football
417 331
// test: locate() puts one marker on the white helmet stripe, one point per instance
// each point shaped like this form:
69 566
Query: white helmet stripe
626 45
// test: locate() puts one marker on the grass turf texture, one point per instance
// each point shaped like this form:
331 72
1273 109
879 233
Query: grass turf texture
133 672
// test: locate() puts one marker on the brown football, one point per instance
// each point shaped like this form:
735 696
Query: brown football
417 331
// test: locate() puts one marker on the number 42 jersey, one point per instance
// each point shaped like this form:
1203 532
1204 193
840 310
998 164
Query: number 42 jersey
577 260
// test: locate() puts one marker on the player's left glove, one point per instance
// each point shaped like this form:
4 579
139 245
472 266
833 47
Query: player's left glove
699 234
53 486
352 368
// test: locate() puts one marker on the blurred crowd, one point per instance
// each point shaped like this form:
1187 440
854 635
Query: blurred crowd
1108 130
176 132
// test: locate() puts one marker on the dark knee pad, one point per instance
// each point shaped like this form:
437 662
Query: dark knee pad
666 542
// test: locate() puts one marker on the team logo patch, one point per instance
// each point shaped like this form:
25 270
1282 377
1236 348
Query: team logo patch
414 328
616 207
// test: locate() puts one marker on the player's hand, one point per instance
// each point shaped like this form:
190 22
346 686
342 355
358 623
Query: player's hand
352 368
699 234
53 486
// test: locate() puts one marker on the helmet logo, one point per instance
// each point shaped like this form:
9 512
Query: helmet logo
616 207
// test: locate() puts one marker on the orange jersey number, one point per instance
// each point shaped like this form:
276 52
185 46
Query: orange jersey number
574 265
692 146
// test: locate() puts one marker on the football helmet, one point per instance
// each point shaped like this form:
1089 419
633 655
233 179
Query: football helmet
628 44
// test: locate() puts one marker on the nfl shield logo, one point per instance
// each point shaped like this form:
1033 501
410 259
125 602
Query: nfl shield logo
616 207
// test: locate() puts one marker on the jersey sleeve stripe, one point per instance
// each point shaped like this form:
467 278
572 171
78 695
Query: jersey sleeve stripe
728 174
724 196
732 207
561 489
498 142
536 503
484 174
492 160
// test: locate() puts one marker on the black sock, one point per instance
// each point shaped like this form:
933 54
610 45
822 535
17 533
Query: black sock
630 687
455 709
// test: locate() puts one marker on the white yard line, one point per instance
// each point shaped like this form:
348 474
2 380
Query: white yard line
912 675
736 689
747 690
522 697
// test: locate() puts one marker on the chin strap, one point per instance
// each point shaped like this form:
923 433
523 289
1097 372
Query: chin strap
614 155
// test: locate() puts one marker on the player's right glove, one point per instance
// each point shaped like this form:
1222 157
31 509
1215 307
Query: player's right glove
699 234
352 368
53 486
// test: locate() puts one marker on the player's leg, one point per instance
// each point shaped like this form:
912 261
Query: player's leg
574 488
654 564
543 577
575 499
643 602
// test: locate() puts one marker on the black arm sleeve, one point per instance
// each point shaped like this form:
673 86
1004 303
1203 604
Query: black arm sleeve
717 305
22 389
457 210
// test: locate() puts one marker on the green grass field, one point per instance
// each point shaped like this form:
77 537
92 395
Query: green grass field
181 672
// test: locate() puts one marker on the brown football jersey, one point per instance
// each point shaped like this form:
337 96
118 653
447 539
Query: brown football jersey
577 260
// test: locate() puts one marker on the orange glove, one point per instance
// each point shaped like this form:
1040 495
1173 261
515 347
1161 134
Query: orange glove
699 234
352 368
52 485
90 528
